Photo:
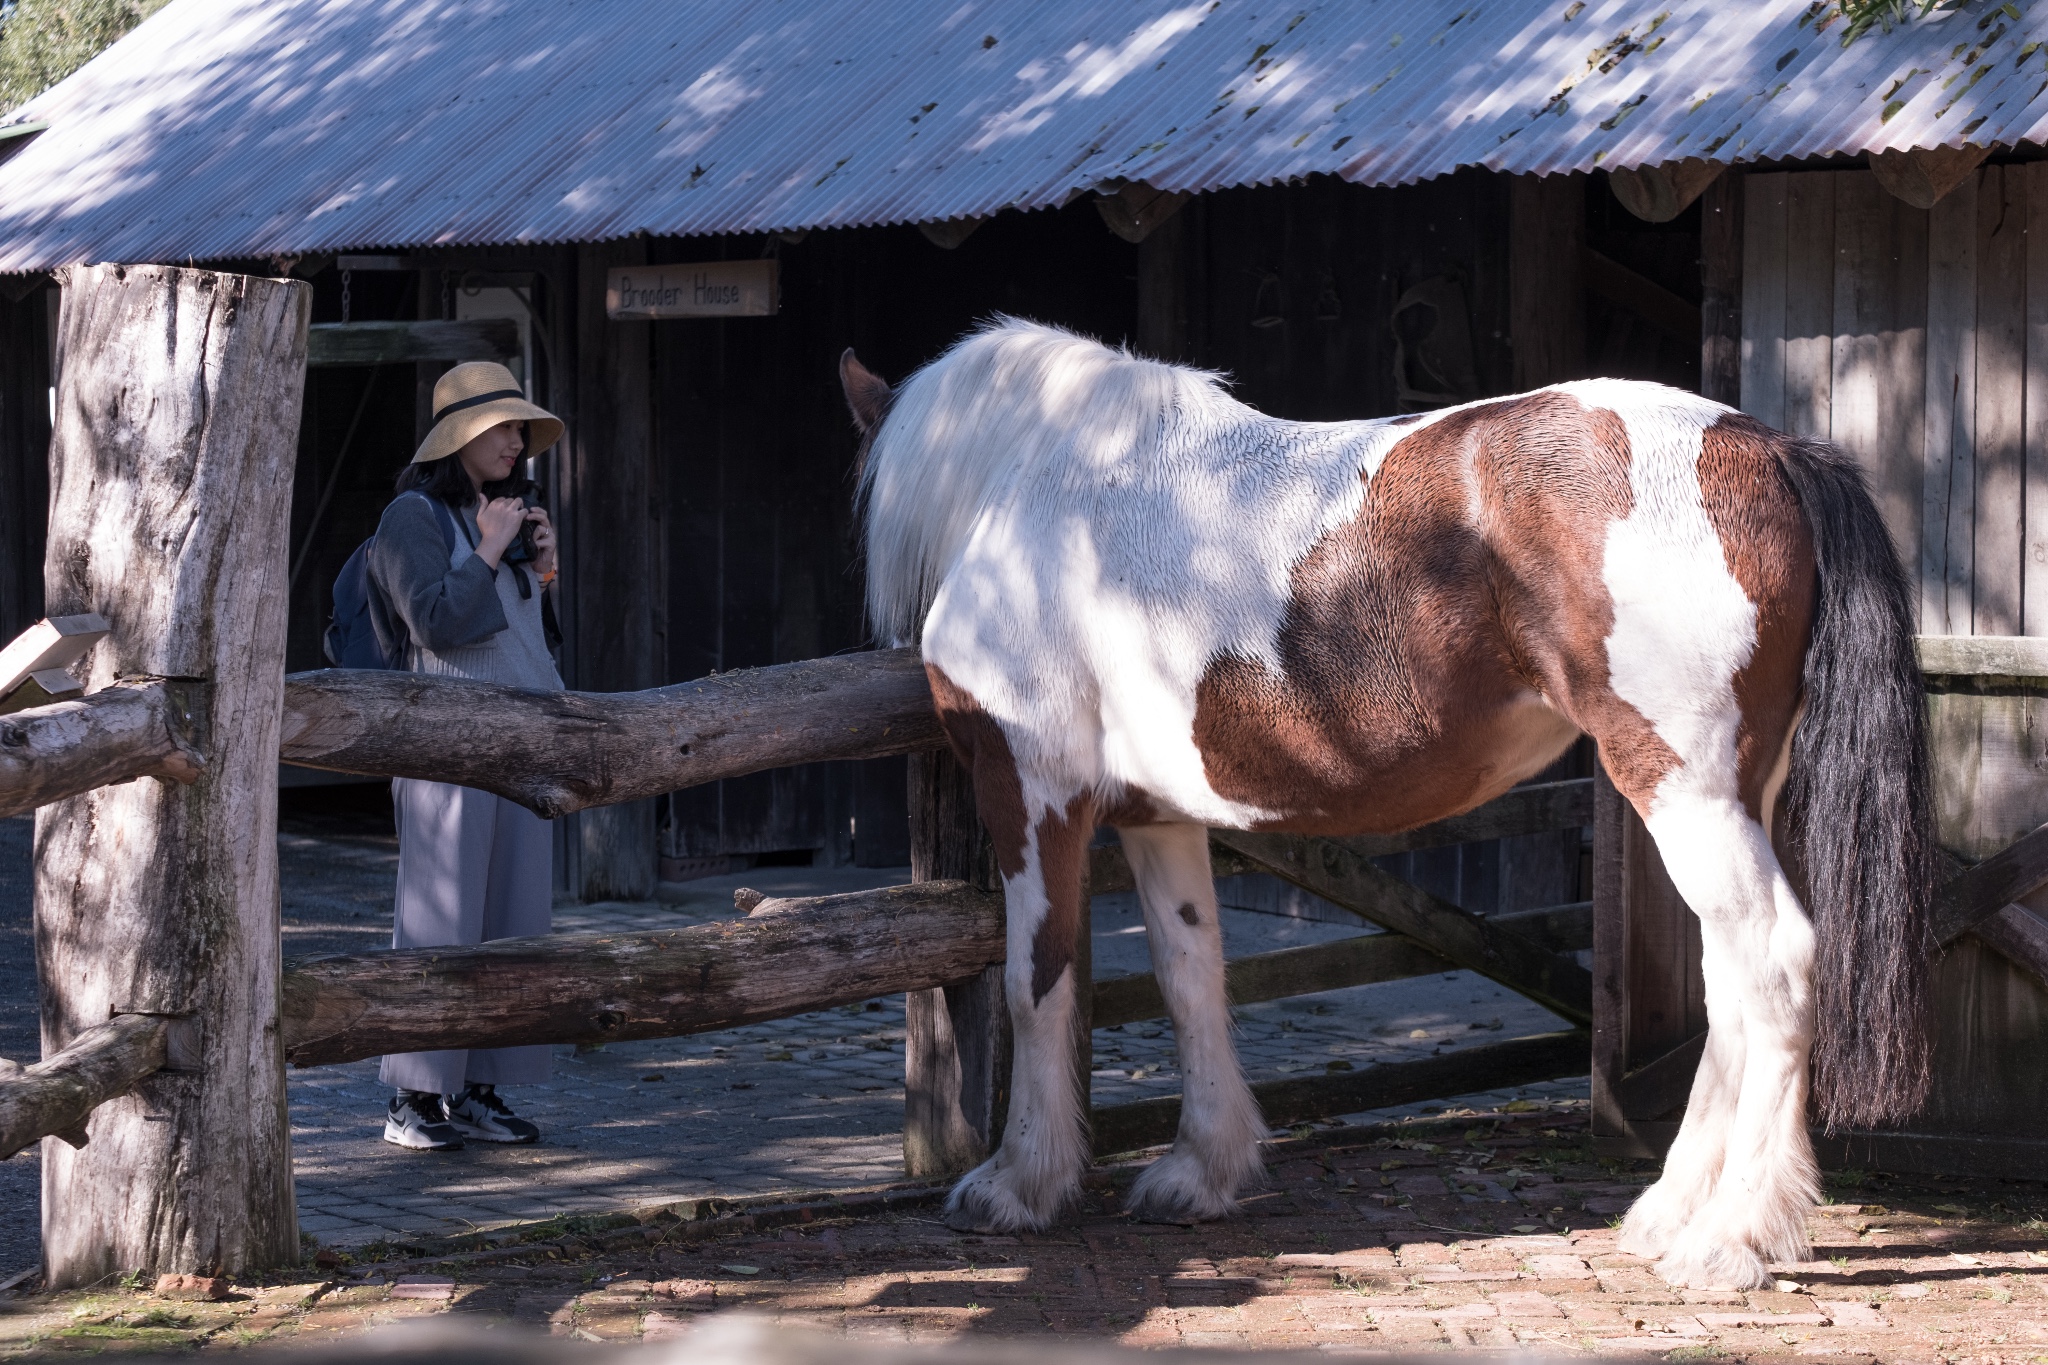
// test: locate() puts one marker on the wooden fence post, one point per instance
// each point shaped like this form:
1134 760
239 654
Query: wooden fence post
956 1039
177 419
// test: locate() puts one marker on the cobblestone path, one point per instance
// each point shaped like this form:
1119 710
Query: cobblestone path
1482 1229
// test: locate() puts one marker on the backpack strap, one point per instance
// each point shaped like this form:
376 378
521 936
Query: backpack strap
444 518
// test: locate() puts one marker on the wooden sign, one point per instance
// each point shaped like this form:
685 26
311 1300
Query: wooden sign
708 289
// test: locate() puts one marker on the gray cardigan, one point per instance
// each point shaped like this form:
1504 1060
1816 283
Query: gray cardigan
438 607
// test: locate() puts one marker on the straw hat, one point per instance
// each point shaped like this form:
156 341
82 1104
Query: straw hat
474 397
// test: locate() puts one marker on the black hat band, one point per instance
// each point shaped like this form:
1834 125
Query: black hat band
459 404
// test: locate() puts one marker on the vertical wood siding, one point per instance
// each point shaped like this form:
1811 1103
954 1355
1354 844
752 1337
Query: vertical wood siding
1919 341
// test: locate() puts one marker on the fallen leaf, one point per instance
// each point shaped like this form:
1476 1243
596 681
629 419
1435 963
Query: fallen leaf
742 1269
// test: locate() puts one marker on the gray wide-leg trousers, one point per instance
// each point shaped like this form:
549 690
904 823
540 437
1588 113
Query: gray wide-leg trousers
471 867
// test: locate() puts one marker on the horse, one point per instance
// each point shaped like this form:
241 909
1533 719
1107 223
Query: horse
1143 604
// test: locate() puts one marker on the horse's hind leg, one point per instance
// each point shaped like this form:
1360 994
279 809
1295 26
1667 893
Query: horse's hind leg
1758 960
1216 1151
1693 1165
1037 1171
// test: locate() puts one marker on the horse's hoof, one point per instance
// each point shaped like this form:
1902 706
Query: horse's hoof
1653 1224
1177 1189
1699 1261
984 1201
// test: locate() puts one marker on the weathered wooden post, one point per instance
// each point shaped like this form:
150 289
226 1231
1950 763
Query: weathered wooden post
177 418
956 1039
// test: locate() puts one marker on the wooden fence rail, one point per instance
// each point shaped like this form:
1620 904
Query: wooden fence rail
556 752
788 957
552 752
135 728
55 1097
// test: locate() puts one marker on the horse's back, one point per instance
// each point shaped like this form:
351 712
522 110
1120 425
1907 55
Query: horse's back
1232 619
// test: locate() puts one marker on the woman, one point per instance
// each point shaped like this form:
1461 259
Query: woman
461 563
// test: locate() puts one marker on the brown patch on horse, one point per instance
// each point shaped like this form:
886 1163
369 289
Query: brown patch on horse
1448 641
1557 478
1769 550
980 745
1062 836
1131 806
1062 857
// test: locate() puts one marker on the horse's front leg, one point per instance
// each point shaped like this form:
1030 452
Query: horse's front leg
1216 1151
1036 1173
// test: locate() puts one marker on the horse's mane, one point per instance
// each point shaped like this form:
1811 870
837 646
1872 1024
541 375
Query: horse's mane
1011 401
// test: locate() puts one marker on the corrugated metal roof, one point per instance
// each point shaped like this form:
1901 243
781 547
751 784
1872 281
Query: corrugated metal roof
257 127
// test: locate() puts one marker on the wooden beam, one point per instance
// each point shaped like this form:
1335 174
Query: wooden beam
1134 212
1360 961
1495 1066
2020 936
1923 176
402 343
1982 656
1662 1084
144 727
178 407
1561 928
1657 194
1502 953
788 957
1990 886
1525 810
1535 809
555 752
54 1098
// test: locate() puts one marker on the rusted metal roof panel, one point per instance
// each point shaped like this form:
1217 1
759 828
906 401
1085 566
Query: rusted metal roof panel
259 127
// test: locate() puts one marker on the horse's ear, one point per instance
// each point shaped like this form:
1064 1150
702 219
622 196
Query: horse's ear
867 393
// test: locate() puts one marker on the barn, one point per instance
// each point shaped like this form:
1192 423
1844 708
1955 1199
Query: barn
670 223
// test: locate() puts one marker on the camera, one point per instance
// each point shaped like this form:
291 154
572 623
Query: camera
522 550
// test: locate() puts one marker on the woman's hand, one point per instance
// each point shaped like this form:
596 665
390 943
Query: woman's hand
497 523
543 541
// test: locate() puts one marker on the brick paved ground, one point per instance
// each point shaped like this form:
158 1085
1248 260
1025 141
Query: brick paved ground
1484 1230
809 1103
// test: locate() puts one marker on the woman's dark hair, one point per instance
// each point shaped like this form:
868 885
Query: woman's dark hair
446 480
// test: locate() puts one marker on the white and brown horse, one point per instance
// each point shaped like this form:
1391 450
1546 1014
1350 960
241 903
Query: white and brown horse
1143 604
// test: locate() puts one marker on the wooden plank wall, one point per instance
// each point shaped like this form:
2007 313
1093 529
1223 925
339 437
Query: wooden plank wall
1918 340
757 447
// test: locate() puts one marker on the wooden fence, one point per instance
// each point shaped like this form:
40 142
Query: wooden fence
168 1013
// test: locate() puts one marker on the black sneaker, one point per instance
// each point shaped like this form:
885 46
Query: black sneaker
478 1113
418 1120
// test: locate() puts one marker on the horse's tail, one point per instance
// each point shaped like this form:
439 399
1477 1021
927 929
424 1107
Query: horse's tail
1011 403
1857 807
